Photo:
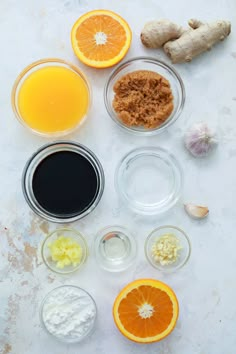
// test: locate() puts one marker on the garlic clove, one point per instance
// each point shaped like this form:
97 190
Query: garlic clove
196 211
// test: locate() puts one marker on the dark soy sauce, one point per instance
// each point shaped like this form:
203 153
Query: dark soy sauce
65 183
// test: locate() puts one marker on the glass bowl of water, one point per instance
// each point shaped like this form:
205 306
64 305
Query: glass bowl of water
115 248
149 180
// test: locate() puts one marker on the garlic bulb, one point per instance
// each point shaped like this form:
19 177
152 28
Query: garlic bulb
200 139
196 211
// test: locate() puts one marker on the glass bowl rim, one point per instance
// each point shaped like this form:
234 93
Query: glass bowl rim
38 63
185 236
77 233
101 233
42 306
140 151
39 154
157 62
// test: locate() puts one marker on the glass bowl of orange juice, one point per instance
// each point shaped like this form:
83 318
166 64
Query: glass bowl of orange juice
51 97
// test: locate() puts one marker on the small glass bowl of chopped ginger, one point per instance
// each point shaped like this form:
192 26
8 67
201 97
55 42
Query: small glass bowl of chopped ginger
167 248
64 250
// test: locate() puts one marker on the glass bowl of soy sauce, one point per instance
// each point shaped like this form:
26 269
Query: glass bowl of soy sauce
63 181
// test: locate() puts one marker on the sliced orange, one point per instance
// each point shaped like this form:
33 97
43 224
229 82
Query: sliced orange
100 38
146 311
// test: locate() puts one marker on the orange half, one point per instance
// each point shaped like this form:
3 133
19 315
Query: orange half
101 38
146 311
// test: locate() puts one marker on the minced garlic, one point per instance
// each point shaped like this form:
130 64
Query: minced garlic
165 250
65 251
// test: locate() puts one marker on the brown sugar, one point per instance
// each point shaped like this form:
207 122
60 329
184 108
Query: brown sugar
143 98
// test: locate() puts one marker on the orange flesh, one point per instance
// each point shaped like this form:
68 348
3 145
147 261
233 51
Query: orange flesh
85 35
146 327
53 99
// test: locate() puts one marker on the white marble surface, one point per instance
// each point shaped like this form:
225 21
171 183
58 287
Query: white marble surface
206 287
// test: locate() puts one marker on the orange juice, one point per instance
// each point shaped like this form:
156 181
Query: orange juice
53 99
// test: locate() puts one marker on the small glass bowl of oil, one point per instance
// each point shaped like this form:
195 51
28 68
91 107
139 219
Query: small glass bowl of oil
115 248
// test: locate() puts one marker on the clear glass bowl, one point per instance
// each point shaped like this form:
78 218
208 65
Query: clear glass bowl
149 180
46 254
115 248
34 67
58 292
152 64
184 252
40 155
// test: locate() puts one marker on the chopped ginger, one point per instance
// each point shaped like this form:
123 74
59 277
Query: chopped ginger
65 251
165 250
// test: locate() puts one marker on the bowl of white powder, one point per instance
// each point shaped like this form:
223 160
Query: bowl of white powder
68 313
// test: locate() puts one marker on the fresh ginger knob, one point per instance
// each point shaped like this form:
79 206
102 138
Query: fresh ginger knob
183 45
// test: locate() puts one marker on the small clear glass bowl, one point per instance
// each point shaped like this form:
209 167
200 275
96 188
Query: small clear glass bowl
34 67
151 64
149 180
46 254
184 252
115 248
59 292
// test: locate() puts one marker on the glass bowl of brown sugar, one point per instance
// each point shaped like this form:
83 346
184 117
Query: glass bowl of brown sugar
144 95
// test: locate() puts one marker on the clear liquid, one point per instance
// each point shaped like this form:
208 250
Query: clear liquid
115 247
148 180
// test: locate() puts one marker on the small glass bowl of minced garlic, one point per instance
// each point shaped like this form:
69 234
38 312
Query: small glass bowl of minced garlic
64 250
167 248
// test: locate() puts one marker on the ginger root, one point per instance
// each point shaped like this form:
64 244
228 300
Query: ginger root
157 33
200 38
183 45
